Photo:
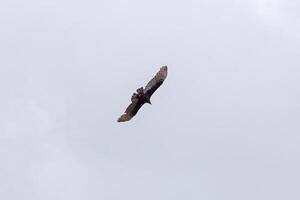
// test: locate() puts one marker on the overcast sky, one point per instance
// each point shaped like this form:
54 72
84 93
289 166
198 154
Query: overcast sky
225 125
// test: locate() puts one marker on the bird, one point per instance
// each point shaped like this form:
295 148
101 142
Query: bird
143 95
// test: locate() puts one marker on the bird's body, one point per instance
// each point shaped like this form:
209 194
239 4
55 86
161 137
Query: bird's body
143 96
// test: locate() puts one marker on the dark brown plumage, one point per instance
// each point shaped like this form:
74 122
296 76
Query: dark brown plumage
143 96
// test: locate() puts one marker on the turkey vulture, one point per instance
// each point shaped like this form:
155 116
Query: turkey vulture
143 95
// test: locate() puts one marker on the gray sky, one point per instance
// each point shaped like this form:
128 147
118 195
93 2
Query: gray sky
224 126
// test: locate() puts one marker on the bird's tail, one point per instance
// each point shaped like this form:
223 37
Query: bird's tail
125 117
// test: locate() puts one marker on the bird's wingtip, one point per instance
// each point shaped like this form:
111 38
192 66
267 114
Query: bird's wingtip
124 118
164 70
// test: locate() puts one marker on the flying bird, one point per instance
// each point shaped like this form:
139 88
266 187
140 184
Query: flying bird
143 95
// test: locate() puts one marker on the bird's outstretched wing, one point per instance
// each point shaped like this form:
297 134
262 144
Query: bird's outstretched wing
132 109
156 81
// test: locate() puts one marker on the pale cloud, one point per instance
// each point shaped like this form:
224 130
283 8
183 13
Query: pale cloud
225 125
278 13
